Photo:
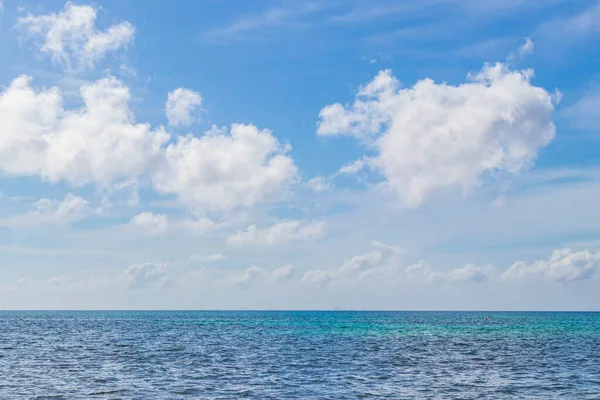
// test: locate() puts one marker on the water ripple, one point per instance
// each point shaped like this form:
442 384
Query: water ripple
304 355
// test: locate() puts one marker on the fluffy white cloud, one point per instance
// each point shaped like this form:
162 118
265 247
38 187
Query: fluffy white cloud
564 265
97 143
279 233
71 38
433 136
363 262
146 275
225 169
282 273
180 106
100 143
149 223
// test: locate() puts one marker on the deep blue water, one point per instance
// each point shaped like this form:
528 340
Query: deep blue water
298 355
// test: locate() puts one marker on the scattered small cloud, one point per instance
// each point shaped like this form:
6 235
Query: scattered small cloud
146 275
252 274
127 71
181 107
467 273
50 212
353 168
384 264
149 223
317 278
319 184
282 274
524 50
279 233
564 265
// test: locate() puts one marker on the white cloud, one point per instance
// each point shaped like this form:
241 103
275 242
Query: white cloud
71 38
526 48
318 184
258 275
127 71
149 223
71 206
564 265
353 167
146 275
252 274
434 136
180 106
316 278
279 233
384 263
100 143
467 273
223 170
361 262
47 211
282 273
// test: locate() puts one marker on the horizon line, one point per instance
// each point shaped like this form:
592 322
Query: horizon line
289 310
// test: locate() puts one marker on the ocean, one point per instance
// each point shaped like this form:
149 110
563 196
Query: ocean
299 355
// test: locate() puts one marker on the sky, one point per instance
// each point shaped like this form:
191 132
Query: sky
390 155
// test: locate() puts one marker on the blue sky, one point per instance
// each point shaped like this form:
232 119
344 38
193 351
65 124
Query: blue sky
300 154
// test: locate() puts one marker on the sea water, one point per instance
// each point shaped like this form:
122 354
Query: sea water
298 355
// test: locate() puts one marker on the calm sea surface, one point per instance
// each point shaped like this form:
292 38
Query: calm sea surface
298 355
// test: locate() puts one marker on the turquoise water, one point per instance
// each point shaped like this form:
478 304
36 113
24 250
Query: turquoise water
298 355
